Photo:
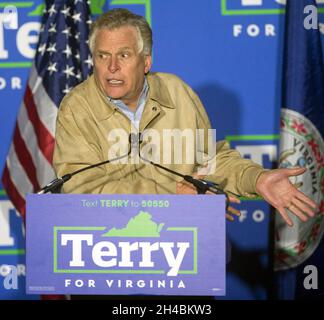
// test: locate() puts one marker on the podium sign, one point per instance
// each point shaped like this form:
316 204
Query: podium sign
125 244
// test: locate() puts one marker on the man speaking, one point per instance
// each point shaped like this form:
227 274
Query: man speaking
121 97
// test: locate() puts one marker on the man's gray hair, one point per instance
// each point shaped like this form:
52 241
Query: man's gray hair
117 18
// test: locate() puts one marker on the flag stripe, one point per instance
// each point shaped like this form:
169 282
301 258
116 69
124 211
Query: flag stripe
46 114
44 138
19 179
13 194
44 170
25 158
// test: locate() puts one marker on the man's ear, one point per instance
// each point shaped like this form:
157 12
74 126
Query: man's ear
148 63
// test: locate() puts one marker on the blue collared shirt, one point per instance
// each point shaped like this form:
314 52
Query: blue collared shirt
134 117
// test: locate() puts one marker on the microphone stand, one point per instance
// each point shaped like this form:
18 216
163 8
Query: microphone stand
202 186
56 185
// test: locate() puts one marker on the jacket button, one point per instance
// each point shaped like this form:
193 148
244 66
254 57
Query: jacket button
154 108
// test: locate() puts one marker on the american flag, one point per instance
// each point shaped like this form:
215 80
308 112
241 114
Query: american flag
62 60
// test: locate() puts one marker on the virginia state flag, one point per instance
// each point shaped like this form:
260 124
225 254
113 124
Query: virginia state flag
301 144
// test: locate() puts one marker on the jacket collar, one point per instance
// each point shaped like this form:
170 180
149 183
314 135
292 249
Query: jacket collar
158 91
104 109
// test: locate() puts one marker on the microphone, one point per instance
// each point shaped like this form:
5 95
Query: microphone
55 185
201 185
135 139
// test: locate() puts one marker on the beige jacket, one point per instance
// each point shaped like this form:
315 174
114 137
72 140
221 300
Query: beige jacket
86 117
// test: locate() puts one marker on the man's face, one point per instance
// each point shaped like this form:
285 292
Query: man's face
118 66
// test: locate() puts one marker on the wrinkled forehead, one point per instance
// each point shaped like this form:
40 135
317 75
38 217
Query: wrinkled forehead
117 38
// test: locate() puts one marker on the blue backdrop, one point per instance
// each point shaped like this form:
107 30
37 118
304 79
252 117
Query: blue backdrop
230 52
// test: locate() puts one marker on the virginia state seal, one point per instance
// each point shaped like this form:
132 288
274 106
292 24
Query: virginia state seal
300 145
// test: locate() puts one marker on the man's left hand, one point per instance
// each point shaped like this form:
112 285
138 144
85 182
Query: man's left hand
275 187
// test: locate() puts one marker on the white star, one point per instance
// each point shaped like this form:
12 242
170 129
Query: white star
52 68
78 75
67 89
89 61
89 22
67 31
77 36
52 28
42 48
51 48
76 17
78 56
67 51
66 11
68 71
52 10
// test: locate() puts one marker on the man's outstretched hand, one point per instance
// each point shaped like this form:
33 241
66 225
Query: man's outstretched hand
275 187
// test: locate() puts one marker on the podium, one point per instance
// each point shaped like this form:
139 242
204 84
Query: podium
125 244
